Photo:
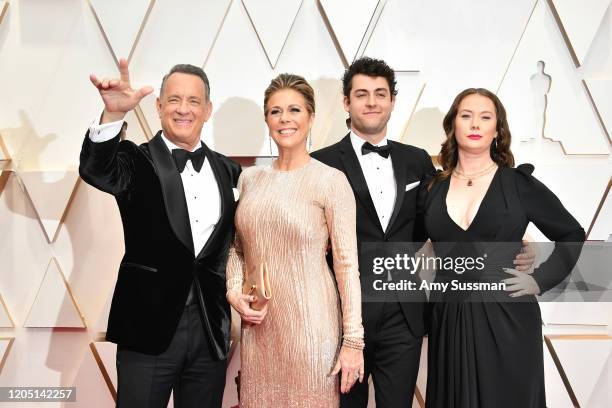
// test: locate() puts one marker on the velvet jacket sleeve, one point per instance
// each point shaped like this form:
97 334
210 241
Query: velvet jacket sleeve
109 166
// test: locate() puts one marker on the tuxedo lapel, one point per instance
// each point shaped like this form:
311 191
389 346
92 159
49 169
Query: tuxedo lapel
399 170
355 175
227 198
172 190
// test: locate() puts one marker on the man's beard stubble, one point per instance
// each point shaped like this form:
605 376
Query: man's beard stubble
365 129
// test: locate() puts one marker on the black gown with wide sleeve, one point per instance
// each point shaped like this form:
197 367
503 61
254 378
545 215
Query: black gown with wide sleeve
488 352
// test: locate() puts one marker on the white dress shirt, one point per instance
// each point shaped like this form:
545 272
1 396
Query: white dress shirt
379 176
201 189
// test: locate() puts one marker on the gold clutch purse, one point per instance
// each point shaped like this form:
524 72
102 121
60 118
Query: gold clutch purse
257 283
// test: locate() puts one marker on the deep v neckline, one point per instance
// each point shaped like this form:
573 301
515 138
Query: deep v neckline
484 198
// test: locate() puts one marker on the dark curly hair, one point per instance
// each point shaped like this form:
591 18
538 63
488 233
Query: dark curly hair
499 150
371 67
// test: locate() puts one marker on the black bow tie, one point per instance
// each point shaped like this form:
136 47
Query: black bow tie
181 156
383 151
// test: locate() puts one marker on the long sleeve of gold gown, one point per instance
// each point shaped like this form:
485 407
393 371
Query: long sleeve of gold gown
287 219
235 258
340 214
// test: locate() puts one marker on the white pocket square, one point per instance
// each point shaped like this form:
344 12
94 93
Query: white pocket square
236 193
412 185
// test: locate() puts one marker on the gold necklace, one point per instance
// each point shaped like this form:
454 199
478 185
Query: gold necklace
469 177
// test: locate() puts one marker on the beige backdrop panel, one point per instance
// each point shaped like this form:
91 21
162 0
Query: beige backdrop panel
61 240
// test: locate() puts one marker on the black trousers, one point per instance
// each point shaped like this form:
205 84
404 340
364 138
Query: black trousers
187 368
392 357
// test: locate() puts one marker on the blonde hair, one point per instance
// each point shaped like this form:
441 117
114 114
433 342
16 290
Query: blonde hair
290 81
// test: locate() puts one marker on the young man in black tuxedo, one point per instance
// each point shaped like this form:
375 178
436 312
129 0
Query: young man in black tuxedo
169 315
385 176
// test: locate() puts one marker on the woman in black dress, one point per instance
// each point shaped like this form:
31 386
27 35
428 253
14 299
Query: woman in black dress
485 347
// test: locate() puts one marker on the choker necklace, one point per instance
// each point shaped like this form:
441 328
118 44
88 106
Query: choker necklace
469 177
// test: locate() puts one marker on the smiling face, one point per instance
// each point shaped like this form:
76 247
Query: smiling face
183 107
475 123
369 104
288 119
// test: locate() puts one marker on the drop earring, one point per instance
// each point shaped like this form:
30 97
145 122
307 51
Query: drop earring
495 142
309 143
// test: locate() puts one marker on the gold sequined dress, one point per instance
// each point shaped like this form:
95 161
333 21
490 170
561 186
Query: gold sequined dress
286 219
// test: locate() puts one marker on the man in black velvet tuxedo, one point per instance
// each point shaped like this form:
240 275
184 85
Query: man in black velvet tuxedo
169 315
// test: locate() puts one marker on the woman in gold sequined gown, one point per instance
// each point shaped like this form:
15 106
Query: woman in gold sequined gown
292 351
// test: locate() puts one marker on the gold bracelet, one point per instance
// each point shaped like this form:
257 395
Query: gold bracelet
353 343
354 347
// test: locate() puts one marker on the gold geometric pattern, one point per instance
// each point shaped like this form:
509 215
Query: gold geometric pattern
543 110
121 30
599 93
601 226
54 305
578 24
3 8
194 35
6 343
272 20
4 175
394 37
349 34
5 160
3 151
418 396
559 392
5 317
235 43
438 50
58 121
137 129
421 383
102 323
50 193
571 353
104 358
567 317
121 36
92 381
43 118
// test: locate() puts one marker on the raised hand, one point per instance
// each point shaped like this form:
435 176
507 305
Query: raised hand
118 96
